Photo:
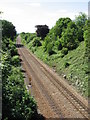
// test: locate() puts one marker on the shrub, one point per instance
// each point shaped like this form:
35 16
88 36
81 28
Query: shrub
15 60
36 42
33 49
17 102
69 37
13 51
49 49
64 51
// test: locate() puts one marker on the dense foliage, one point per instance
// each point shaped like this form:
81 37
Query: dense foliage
80 22
36 42
69 36
32 40
42 30
56 32
87 50
66 34
61 24
8 30
86 38
17 104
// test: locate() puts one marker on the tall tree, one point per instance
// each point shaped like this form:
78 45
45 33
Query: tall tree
42 30
61 24
69 36
8 29
80 22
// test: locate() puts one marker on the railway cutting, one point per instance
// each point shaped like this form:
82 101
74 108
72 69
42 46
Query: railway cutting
55 98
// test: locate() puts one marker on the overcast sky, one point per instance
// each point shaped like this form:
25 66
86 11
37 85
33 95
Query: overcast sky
25 14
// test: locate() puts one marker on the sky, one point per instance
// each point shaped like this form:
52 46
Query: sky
25 14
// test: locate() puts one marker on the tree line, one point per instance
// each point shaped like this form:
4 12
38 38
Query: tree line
65 35
17 103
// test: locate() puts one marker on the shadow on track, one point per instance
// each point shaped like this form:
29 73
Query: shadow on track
19 45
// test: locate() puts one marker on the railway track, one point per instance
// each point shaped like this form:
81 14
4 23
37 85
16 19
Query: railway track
42 88
65 91
61 98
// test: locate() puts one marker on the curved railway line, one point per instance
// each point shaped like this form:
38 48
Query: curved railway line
60 96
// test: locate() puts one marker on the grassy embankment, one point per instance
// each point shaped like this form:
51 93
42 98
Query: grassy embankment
73 65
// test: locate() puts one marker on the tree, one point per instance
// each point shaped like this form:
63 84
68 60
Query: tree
42 30
81 19
87 38
8 29
69 36
80 22
61 24
56 32
36 42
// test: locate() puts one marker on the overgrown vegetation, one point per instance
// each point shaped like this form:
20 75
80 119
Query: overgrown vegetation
64 48
17 103
87 50
8 29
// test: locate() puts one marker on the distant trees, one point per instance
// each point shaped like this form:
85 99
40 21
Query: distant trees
42 30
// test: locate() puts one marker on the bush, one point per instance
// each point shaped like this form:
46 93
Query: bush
64 51
15 60
17 103
36 42
13 51
69 37
49 49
